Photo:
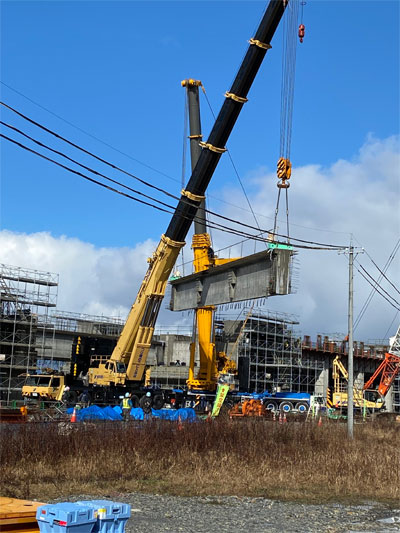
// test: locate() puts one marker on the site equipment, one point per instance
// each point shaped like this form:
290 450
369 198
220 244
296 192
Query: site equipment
388 369
213 365
285 402
110 376
339 398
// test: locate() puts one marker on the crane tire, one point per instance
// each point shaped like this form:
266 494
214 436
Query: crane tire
302 407
158 401
271 406
286 407
135 400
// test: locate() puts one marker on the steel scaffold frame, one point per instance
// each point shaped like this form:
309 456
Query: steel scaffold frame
26 333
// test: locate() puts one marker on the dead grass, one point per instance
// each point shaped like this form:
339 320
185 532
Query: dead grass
243 457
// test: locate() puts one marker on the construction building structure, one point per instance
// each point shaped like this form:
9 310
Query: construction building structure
26 333
267 346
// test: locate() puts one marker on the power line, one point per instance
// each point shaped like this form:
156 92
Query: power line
391 324
378 285
90 134
382 273
149 166
372 293
83 166
215 225
144 182
375 289
115 167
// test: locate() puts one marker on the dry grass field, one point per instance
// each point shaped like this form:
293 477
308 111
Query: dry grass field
294 461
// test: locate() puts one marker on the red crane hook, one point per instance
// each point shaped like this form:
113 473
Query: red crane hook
302 30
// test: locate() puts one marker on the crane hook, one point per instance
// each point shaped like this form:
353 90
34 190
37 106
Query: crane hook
302 30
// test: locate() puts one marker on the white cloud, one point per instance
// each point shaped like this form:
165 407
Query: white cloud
360 196
92 280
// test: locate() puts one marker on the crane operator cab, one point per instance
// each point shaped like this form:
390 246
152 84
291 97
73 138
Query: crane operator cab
105 372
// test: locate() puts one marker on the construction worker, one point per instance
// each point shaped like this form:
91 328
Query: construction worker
126 406
84 398
146 406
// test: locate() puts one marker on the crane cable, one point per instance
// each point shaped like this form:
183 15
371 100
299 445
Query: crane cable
284 166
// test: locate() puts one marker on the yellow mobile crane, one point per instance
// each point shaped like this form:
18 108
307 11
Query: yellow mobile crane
124 370
212 364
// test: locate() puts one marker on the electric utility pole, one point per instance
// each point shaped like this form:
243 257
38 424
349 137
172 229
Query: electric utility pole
350 399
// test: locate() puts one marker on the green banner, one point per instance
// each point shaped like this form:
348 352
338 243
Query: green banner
222 391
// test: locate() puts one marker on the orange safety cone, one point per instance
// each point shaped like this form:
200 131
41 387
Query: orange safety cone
208 419
73 416
273 416
320 421
284 418
280 418
180 426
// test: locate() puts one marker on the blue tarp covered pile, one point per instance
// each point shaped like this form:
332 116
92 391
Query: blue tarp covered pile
94 412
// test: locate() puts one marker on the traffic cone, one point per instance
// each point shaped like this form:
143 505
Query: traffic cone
273 416
73 416
280 418
320 421
284 418
208 419
180 426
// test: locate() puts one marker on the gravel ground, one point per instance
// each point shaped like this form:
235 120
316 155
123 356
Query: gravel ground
156 513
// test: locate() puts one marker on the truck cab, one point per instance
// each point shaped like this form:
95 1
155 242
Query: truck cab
48 387
105 372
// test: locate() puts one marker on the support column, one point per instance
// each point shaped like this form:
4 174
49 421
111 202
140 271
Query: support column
322 382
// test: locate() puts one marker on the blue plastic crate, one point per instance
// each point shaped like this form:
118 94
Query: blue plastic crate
65 517
111 516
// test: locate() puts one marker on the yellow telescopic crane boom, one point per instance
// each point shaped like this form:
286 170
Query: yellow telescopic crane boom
128 360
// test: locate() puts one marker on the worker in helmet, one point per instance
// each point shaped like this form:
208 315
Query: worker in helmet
146 406
126 406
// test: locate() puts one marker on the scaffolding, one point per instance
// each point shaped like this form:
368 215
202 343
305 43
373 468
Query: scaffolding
26 332
269 355
82 324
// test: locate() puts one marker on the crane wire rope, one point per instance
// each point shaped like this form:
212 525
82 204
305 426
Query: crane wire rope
233 164
372 293
147 196
216 225
289 45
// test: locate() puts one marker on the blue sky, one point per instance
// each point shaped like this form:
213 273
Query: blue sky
114 70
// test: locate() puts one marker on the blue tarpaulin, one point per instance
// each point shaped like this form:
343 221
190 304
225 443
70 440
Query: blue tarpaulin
94 412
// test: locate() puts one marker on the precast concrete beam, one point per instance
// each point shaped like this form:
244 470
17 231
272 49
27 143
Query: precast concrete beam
259 275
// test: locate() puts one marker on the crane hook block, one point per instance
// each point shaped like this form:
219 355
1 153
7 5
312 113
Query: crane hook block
302 31
284 169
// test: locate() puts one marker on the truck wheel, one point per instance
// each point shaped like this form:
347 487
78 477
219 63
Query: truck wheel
135 400
271 406
302 407
158 401
286 407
